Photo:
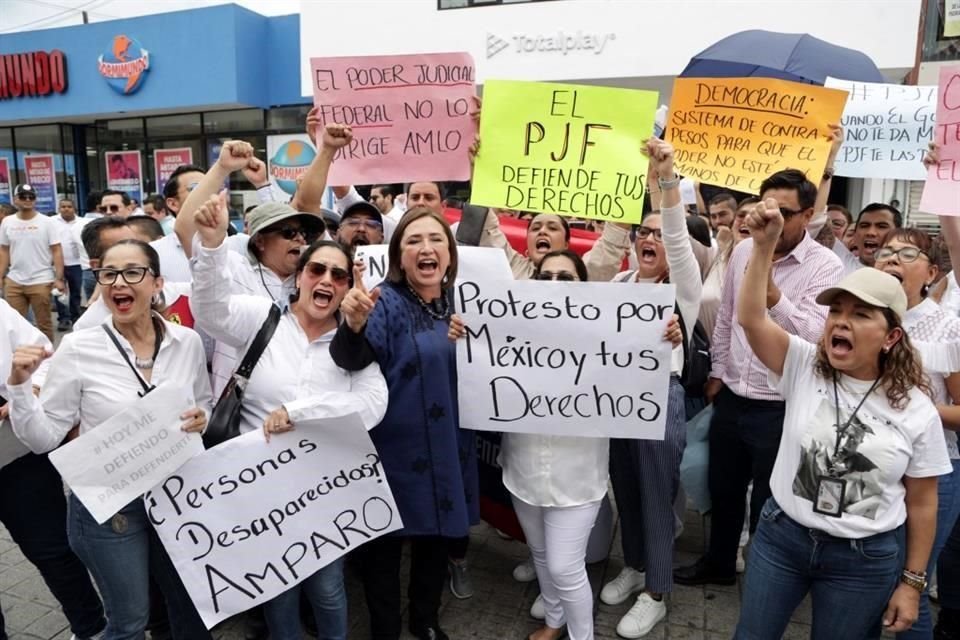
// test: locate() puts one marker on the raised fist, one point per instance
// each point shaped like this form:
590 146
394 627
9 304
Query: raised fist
765 223
337 135
235 155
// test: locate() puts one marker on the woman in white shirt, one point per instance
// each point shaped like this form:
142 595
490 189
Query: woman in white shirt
911 257
861 450
294 380
95 374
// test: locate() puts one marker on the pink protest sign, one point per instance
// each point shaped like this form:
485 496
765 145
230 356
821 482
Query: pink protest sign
941 193
410 116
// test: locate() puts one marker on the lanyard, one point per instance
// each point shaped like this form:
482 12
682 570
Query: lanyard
147 388
836 399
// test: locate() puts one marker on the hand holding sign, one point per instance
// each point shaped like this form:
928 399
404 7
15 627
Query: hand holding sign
458 328
26 360
211 220
235 155
932 157
277 422
196 420
765 223
358 303
336 136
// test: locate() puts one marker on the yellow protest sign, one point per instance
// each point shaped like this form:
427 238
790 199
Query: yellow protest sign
566 149
734 132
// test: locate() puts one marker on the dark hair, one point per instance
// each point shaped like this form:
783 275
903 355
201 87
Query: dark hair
309 251
153 261
395 270
159 204
563 221
172 186
113 192
724 197
921 240
842 209
747 201
7 209
91 232
792 179
147 225
388 190
879 206
93 201
578 265
440 189
70 200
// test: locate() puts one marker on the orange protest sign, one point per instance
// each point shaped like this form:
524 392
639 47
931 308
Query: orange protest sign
734 132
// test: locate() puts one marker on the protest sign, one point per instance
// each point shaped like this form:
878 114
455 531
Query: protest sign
951 18
567 149
886 128
410 115
941 193
42 176
5 181
564 358
472 263
125 173
247 520
116 462
166 161
735 132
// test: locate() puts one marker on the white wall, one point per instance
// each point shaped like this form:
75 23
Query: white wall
632 38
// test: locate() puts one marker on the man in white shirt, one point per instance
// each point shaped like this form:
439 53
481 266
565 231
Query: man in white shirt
116 203
871 229
154 207
30 248
383 198
68 227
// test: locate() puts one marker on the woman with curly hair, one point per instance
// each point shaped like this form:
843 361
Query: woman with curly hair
853 509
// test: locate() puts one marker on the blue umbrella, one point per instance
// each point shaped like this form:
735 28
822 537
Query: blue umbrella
789 56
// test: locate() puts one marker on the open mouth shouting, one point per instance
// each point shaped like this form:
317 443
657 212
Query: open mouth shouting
322 298
893 271
648 255
427 267
122 301
744 231
869 247
542 245
840 345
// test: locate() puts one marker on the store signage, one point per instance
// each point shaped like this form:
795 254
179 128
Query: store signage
559 42
124 64
37 73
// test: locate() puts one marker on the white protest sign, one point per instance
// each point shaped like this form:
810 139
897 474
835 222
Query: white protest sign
247 520
472 263
564 358
886 129
115 463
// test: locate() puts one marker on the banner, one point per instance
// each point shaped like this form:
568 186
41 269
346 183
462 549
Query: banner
125 173
249 519
941 193
951 18
410 115
166 161
564 358
567 149
472 263
735 132
288 158
42 176
115 463
886 128
5 179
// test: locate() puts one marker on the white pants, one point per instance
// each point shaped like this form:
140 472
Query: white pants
557 537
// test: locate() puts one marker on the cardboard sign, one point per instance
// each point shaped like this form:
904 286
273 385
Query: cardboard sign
115 463
125 173
941 193
566 149
42 176
247 520
886 128
564 358
410 116
472 263
735 132
166 161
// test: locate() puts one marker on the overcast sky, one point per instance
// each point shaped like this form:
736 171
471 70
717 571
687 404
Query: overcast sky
28 15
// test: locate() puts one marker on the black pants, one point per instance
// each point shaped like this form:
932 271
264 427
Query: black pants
744 439
34 511
379 562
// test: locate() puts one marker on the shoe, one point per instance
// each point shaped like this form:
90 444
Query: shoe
642 617
538 610
461 586
627 582
741 562
429 633
525 572
699 573
64 326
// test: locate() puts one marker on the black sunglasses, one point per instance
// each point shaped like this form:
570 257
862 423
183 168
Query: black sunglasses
789 213
289 233
339 275
561 276
27 196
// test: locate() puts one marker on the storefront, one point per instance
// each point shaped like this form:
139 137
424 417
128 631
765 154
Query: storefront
183 81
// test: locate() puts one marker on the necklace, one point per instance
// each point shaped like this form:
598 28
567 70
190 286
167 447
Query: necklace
147 363
430 307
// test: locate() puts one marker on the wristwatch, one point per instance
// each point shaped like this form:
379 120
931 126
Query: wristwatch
672 183
916 580
828 173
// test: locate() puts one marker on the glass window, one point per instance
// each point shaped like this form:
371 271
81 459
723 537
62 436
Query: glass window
150 177
235 120
187 124
118 132
9 176
42 139
288 119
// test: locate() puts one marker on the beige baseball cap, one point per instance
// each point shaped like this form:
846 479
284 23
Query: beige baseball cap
871 285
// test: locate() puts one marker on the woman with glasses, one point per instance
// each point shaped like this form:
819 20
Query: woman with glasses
294 380
95 374
911 257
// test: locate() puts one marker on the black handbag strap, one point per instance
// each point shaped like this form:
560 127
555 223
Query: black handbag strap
259 344
147 387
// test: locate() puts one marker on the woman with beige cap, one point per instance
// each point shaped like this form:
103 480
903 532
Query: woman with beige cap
853 509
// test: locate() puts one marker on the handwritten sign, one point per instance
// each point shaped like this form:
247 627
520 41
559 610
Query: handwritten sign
247 520
566 149
886 128
735 132
115 463
410 115
941 193
472 263
572 359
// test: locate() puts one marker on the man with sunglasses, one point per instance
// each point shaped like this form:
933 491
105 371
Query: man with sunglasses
115 203
30 249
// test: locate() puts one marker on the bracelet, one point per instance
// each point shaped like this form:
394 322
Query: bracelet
917 581
828 173
672 183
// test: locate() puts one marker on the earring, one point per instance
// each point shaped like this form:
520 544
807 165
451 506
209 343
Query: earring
155 299
446 279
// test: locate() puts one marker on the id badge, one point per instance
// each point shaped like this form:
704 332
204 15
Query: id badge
830 492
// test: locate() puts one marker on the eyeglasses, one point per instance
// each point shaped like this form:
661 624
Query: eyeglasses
339 275
789 213
289 233
906 254
644 232
365 222
112 208
561 276
27 196
839 223
130 275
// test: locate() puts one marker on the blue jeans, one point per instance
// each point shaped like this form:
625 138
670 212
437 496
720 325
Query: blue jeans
324 590
851 580
948 508
89 283
74 277
121 563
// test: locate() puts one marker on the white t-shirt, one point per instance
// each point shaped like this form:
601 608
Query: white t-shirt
31 261
880 446
70 240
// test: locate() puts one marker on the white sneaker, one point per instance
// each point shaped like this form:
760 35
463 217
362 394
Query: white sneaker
524 572
537 610
642 617
628 582
741 561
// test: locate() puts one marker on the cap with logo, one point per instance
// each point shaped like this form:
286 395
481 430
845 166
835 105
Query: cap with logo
25 190
872 286
270 213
